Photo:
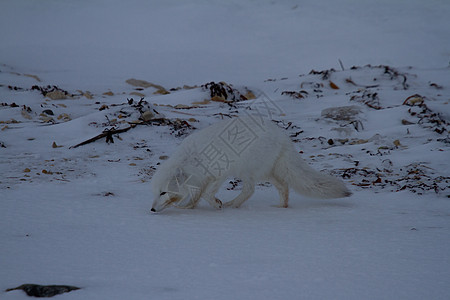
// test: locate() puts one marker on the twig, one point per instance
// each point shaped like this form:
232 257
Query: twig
107 133
159 121
349 80
342 65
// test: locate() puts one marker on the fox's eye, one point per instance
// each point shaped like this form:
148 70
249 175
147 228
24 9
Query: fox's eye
163 193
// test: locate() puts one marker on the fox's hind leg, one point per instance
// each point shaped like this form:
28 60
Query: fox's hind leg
247 191
283 190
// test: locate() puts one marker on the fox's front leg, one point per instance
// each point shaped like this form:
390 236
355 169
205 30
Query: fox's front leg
196 192
209 194
195 198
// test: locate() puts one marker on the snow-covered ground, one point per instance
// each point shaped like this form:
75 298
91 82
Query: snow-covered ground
80 215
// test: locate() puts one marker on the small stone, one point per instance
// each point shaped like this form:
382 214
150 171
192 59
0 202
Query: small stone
46 119
406 122
26 115
103 107
218 99
56 95
147 115
139 83
413 100
48 112
188 87
249 95
333 85
137 94
88 95
359 142
65 117
161 92
145 84
206 101
342 113
182 106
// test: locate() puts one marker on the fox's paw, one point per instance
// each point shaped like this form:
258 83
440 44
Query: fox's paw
281 206
231 204
219 204
228 204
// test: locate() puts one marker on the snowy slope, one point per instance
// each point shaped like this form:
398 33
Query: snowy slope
80 215
191 42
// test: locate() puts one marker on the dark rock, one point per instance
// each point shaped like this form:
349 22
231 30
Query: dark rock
48 112
36 290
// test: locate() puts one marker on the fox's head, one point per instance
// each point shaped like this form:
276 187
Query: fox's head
164 200
170 192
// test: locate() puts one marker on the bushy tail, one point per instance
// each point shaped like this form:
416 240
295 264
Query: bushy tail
307 181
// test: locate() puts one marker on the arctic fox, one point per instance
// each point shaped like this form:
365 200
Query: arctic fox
248 148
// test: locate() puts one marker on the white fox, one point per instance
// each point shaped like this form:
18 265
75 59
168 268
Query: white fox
248 148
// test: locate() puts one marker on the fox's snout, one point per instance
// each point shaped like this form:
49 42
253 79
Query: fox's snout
153 210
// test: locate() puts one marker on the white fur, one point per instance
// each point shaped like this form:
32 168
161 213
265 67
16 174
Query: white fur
248 148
